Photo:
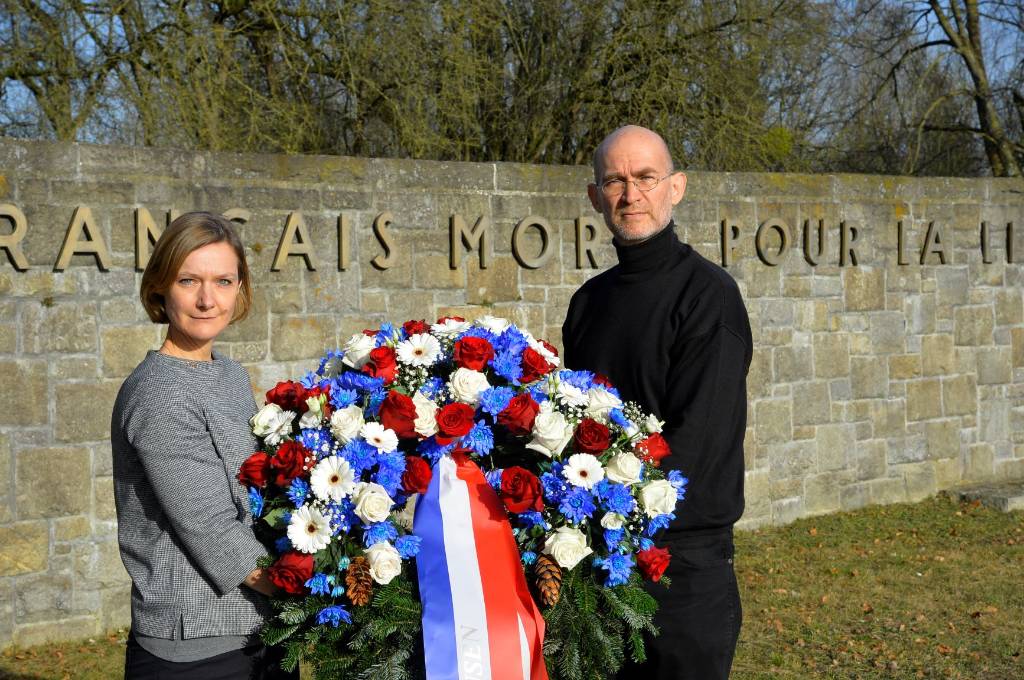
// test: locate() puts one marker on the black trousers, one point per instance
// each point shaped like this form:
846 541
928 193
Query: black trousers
699 616
252 663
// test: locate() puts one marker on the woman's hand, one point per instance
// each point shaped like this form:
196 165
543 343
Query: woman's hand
258 581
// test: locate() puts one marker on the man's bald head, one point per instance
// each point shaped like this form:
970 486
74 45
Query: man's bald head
629 135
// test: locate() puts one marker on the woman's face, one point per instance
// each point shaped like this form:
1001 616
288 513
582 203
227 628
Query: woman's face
201 300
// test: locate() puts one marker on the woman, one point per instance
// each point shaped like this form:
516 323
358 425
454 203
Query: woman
179 432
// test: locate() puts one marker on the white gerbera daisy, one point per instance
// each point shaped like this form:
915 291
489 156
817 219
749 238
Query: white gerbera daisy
309 531
421 349
332 479
572 395
583 470
379 437
450 328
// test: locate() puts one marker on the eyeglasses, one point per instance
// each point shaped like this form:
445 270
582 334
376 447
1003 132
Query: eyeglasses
616 186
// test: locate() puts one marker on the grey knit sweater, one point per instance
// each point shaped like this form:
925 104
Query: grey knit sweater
179 432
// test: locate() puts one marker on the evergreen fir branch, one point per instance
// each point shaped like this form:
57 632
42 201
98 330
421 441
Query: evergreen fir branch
275 635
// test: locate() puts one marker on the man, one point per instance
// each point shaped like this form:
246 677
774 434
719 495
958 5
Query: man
670 330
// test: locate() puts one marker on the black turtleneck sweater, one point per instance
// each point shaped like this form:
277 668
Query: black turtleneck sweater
669 329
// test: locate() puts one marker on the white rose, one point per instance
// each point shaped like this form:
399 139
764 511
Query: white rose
373 504
494 324
346 422
405 518
624 468
449 329
466 385
314 414
385 562
600 403
613 520
658 498
551 431
567 546
271 423
652 424
571 395
426 415
357 349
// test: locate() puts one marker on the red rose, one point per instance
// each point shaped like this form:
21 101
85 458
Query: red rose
287 463
534 365
458 319
413 327
255 470
453 421
602 380
291 571
369 332
290 396
653 449
381 364
398 413
521 490
416 477
472 353
519 415
591 437
652 562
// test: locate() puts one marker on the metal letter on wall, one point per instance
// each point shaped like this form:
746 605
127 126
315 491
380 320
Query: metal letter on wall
814 259
82 223
933 244
10 242
901 242
146 234
763 252
380 230
544 229
477 237
586 236
847 235
294 227
730 233
344 238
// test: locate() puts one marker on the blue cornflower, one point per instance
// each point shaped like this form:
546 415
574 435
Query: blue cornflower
386 333
255 502
508 365
614 497
619 418
379 532
656 524
645 543
282 545
337 590
360 455
343 562
676 479
612 538
577 504
333 357
354 380
341 397
432 387
532 518
432 451
511 341
528 557
539 391
493 400
494 478
480 439
298 491
341 516
334 615
320 584
310 380
618 567
373 403
479 332
554 484
318 440
408 546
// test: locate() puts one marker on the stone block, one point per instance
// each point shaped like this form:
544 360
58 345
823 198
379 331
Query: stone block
41 597
773 421
431 270
951 285
811 404
253 328
864 288
115 604
755 492
1017 347
831 355
1009 307
302 337
792 364
889 417
854 496
994 365
65 628
71 528
53 482
973 325
919 479
100 565
869 459
943 437
498 283
792 461
909 449
414 304
835 446
959 395
924 399
868 377
24 548
888 333
937 357
821 493
759 375
103 498
74 368
885 491
83 410
23 393
67 327
125 346
905 366
948 472
787 510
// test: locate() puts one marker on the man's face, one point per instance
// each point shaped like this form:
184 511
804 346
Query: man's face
631 214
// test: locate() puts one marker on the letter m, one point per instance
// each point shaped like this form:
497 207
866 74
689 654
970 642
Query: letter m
478 237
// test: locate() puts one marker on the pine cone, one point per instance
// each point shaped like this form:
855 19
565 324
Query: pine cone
549 579
359 581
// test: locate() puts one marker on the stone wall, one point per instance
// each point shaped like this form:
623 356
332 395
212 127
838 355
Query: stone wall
872 381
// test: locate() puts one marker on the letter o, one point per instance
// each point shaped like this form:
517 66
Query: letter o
545 235
765 254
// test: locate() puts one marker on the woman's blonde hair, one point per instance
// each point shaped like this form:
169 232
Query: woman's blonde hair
186 234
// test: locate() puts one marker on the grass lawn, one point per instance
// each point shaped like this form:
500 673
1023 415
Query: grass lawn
930 590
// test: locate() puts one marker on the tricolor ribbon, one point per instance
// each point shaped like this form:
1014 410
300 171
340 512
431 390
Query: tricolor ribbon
479 620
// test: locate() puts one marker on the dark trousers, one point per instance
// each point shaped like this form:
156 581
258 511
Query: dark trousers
252 663
699 616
